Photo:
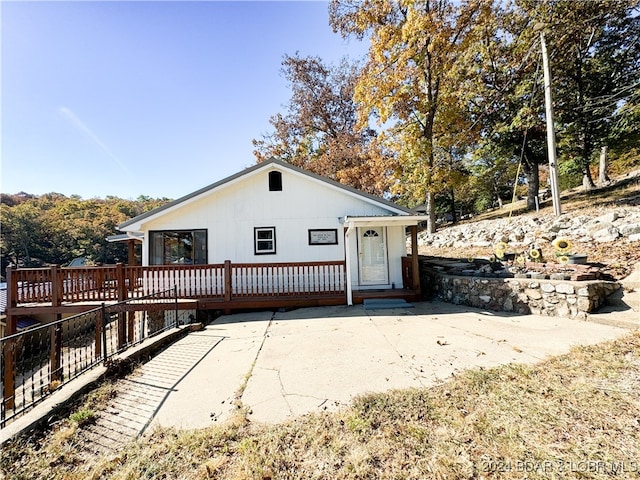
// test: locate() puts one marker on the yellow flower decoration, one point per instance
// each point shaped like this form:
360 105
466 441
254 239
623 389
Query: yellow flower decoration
563 259
562 245
501 247
534 254
470 259
493 259
521 260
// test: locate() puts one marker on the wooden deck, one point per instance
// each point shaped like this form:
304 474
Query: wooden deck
226 286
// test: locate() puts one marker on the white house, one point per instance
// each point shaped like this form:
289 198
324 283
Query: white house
274 212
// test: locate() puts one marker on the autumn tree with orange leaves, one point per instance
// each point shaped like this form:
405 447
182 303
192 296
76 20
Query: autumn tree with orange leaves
319 131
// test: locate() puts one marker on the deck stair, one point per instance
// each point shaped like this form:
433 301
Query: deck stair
385 303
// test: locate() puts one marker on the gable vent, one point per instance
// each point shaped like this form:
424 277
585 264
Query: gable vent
275 181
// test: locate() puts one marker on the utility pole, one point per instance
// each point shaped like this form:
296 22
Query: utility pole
551 133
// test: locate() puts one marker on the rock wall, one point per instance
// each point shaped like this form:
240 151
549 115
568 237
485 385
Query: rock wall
540 297
621 224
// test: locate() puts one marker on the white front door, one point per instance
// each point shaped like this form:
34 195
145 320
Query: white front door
372 256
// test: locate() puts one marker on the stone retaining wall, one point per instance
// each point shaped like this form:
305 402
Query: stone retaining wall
541 297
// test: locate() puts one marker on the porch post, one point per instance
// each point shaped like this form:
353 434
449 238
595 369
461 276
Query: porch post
347 263
131 253
415 267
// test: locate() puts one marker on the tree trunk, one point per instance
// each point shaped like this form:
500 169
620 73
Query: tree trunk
603 178
497 194
587 181
533 183
452 206
431 211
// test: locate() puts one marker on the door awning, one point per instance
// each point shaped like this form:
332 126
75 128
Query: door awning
125 237
383 220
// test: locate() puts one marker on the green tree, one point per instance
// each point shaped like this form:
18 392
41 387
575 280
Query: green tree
54 229
411 81
595 58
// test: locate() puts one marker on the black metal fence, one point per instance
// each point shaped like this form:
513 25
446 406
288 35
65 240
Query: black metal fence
36 362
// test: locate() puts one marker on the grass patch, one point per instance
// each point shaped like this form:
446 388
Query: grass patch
572 416
83 417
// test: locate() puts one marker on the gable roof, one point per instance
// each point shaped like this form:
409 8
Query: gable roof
151 214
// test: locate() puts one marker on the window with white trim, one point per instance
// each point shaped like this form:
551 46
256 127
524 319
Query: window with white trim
264 240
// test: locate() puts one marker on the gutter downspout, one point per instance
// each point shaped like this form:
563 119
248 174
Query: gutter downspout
347 258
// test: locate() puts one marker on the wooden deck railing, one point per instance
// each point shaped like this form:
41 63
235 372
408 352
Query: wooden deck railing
284 279
60 285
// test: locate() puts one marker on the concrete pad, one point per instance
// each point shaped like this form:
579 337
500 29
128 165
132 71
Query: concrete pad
317 362
320 358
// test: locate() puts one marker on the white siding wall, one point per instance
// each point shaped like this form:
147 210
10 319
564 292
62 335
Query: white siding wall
230 214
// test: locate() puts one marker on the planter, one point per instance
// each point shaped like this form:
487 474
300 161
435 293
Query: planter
538 276
577 259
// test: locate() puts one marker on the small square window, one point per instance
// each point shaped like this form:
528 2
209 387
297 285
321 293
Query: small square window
264 240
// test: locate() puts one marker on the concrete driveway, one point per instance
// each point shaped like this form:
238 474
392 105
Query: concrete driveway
290 363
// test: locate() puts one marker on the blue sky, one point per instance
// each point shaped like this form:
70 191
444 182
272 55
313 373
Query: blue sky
146 98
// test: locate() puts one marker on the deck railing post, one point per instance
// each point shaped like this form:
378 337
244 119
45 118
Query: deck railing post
56 298
98 335
122 334
103 317
9 353
122 296
9 385
227 280
414 260
120 282
175 296
55 357
12 292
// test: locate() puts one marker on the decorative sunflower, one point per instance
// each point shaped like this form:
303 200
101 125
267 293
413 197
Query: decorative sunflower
470 259
534 254
501 247
521 260
562 245
563 259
